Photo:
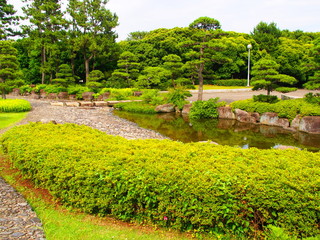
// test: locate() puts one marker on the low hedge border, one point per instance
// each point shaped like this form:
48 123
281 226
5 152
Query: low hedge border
285 108
194 186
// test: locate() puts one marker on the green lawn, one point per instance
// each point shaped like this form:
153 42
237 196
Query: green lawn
6 119
213 87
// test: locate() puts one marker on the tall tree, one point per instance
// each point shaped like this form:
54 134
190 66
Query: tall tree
267 36
128 68
204 46
7 19
9 66
93 28
266 75
45 29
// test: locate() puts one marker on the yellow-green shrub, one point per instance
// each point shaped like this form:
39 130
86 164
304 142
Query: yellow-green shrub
185 186
14 105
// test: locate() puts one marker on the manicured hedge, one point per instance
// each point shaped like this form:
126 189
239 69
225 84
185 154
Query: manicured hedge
197 186
286 108
14 105
230 82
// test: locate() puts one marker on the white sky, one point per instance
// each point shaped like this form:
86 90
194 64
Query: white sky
233 15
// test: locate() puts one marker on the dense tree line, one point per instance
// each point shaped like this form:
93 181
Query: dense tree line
64 47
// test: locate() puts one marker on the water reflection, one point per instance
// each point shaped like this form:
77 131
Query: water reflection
224 132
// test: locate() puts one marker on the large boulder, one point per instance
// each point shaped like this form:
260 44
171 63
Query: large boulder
310 124
16 92
87 96
226 113
63 95
296 122
104 96
165 108
270 118
186 109
52 96
243 116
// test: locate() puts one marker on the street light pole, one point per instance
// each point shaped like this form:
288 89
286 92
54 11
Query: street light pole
249 48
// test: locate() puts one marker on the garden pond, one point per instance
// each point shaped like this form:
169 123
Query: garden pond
223 131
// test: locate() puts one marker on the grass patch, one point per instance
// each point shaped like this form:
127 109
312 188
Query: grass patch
7 119
61 223
215 87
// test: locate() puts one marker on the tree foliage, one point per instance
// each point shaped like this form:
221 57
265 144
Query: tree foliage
7 20
9 67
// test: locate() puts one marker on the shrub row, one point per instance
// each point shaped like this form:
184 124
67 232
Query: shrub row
14 105
285 109
194 186
230 82
136 107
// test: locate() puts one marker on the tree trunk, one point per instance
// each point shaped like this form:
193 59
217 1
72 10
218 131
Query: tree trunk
200 76
43 60
86 64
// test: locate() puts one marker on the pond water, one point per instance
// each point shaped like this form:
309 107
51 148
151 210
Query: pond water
222 131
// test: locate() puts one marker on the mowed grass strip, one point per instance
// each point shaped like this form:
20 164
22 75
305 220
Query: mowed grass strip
7 119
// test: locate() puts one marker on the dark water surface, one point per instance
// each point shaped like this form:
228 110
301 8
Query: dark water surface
223 132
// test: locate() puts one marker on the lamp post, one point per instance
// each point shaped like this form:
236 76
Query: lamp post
249 48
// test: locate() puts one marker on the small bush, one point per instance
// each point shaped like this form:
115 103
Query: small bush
230 82
25 89
312 98
205 109
286 89
265 98
178 97
77 90
121 94
55 89
14 105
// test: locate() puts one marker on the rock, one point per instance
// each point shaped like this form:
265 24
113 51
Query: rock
296 122
186 108
284 147
270 118
310 124
72 97
165 108
86 104
43 93
52 96
100 104
137 93
57 104
104 96
87 96
35 96
63 95
44 120
243 116
16 92
72 104
226 113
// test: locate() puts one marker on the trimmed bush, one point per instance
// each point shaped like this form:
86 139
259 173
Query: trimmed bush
286 89
14 105
285 109
265 98
195 186
230 82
